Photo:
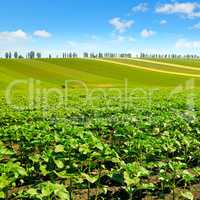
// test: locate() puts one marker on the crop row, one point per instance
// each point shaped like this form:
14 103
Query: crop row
107 148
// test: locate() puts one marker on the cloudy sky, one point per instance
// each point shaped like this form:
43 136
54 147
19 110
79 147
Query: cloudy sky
100 25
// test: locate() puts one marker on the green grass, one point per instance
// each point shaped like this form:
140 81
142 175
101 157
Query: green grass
159 66
185 62
93 73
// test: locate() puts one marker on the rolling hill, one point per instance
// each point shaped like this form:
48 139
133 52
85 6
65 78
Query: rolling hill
95 73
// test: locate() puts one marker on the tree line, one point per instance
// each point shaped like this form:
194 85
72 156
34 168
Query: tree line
29 55
38 55
106 55
169 56
33 55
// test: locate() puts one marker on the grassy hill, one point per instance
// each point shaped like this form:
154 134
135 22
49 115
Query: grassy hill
94 73
181 61
172 67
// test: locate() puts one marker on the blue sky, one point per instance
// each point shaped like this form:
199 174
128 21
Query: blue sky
100 25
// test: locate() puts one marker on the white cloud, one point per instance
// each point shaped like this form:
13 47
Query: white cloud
13 35
146 33
42 34
188 9
121 25
162 22
196 26
142 7
184 43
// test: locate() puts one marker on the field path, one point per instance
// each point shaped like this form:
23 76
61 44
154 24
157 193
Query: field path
167 64
150 69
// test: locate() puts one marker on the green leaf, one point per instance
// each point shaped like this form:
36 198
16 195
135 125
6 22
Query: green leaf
130 181
116 160
22 171
84 149
188 195
59 148
90 179
59 163
61 192
142 172
2 195
147 186
43 170
187 176
62 174
32 191
63 195
35 158
46 191
99 146
4 181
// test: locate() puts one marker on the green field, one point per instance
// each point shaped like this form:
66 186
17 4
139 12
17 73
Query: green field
107 142
185 62
53 73
180 69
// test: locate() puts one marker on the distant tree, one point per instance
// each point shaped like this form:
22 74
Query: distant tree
32 55
15 55
20 57
6 55
92 55
39 55
129 55
70 55
85 55
74 55
100 55
10 55
50 56
64 55
142 55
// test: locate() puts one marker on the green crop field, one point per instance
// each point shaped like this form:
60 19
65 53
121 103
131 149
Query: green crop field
158 66
93 73
184 62
122 129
